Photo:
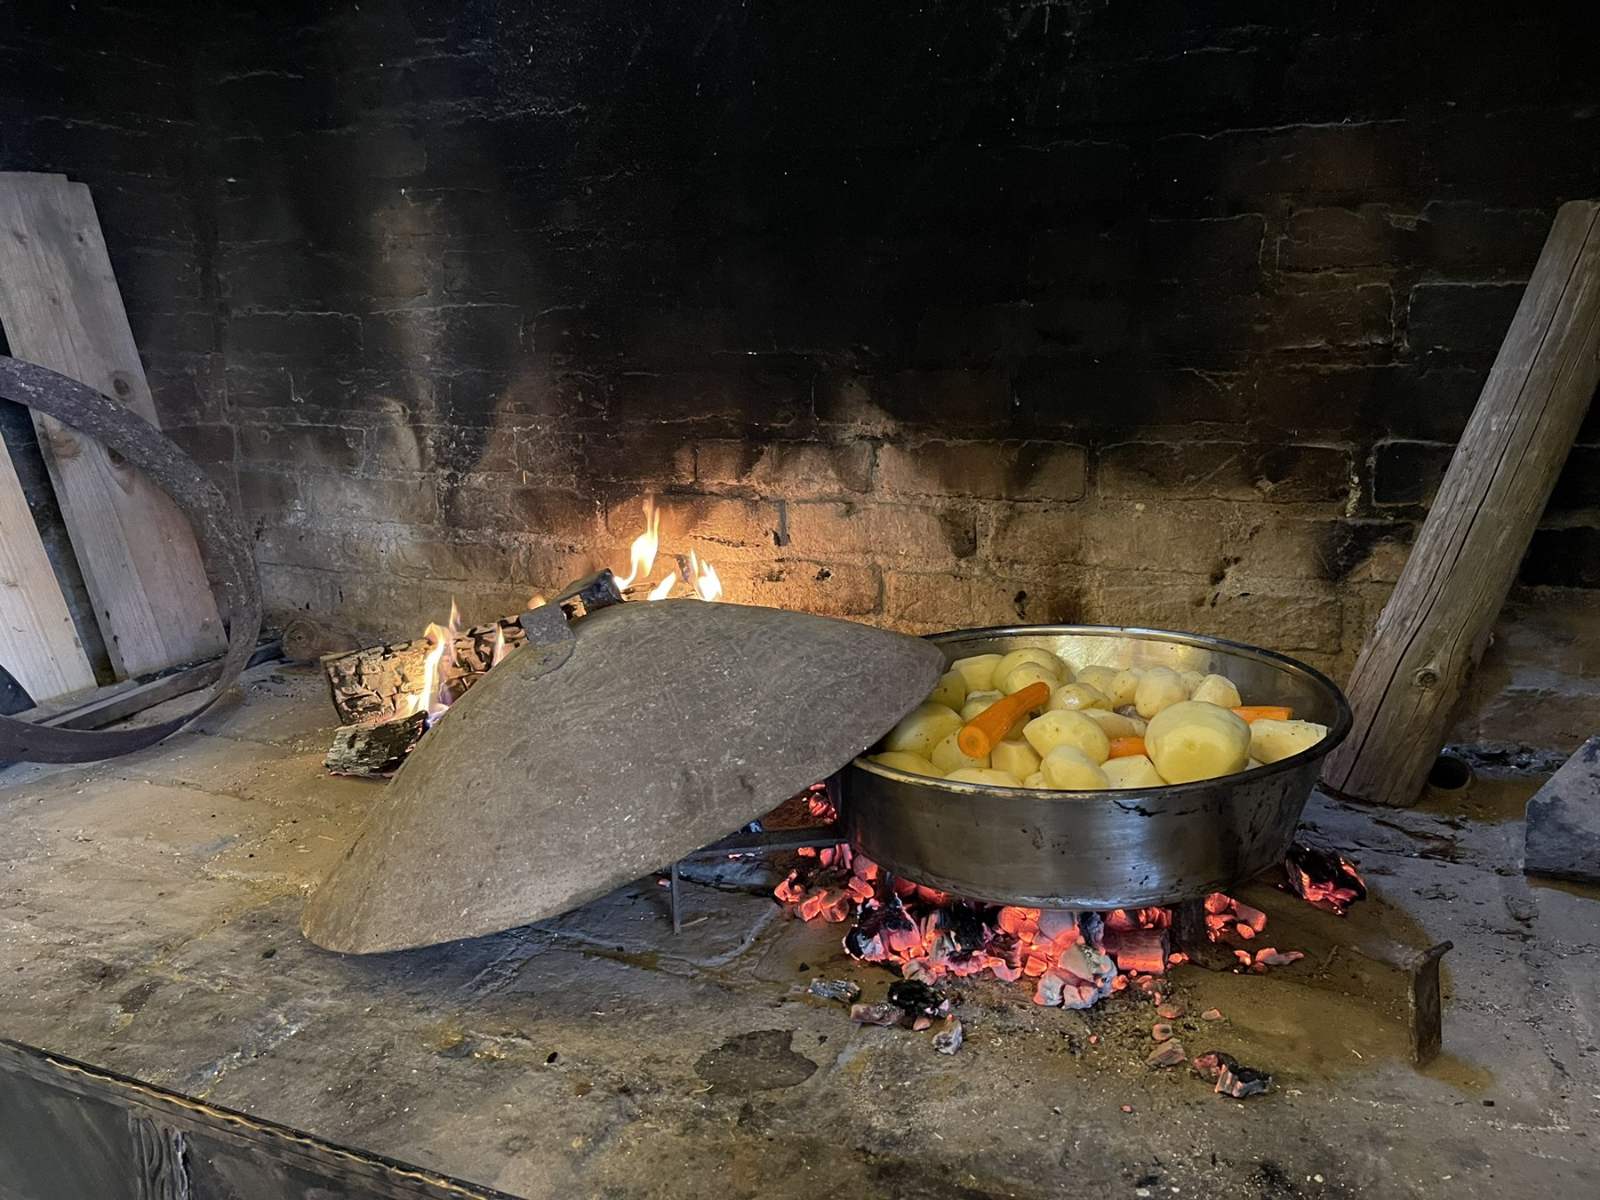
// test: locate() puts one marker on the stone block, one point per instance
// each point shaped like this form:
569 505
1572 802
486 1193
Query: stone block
331 447
705 523
1567 557
1464 318
1011 470
1278 474
1210 252
832 589
1563 820
293 335
268 491
468 335
888 533
1291 618
1034 535
748 396
1159 537
206 444
403 501
1365 236
803 469
1408 472
551 512
1462 236
1055 394
1317 312
883 404
1578 486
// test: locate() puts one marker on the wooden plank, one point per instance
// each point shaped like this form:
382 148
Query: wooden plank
1436 625
60 308
38 641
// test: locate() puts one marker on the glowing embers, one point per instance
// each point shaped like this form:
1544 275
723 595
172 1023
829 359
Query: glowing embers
1324 878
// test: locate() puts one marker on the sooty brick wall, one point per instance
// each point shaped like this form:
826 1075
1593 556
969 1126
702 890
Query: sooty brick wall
929 314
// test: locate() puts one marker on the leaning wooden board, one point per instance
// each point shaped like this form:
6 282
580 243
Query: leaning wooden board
60 308
1436 625
38 641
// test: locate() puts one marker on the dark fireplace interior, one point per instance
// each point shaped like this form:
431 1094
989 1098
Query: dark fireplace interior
970 315
931 317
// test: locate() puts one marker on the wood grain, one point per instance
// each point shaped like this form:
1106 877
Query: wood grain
60 308
1434 629
38 641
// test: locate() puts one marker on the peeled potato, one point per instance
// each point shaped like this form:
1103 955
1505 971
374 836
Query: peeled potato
977 702
947 756
1115 724
951 690
1014 757
1252 765
1158 687
901 761
1061 727
1026 675
1218 690
1124 686
1191 680
1042 658
1036 780
1193 740
1070 769
923 728
985 775
1273 740
1078 695
1098 678
1132 771
978 670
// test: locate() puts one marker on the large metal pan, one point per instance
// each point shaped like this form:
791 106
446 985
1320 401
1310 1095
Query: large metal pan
1110 849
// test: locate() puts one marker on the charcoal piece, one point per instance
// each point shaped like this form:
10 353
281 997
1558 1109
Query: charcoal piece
917 999
866 939
1092 928
1563 825
1323 877
881 1013
1211 1064
948 1040
844 991
1239 1082
1168 1054
966 924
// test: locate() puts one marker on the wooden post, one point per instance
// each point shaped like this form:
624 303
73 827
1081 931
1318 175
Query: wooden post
1434 629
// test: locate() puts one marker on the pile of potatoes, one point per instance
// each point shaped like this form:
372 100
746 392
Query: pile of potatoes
1184 719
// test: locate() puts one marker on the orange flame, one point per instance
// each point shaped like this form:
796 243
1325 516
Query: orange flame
664 589
499 650
427 698
706 584
642 554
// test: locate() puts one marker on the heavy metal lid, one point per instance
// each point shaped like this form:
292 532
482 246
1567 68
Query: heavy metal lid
607 748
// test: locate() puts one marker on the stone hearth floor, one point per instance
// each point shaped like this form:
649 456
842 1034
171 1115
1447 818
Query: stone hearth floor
148 924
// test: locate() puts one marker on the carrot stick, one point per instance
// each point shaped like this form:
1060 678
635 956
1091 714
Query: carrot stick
984 731
1127 747
1263 712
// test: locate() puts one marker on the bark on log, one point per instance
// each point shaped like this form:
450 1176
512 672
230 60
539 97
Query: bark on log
376 748
1436 625
378 682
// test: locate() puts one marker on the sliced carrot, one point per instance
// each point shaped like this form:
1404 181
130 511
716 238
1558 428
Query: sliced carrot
980 735
1127 747
1263 712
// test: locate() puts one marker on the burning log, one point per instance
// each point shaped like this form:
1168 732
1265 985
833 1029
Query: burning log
1323 878
375 748
1228 1077
381 682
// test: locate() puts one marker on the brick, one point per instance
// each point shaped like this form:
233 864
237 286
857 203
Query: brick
328 446
706 524
985 470
471 335
1326 311
548 512
1578 485
1284 618
1363 236
1405 473
206 444
1210 252
452 558
832 589
806 469
1034 535
268 491
1065 395
753 397
659 457
891 533
939 600
1468 318
397 500
1157 537
453 450
1225 471
1332 550
884 404
293 335
1462 236
1563 558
